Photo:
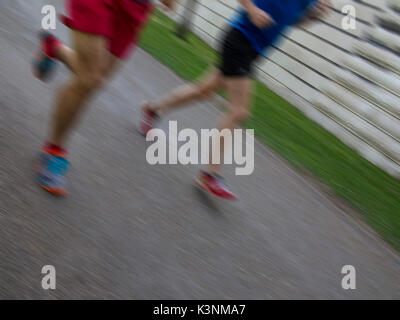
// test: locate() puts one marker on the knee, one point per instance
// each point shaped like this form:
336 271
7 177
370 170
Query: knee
240 115
204 92
91 81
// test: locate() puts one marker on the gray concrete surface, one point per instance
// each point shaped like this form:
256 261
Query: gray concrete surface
129 230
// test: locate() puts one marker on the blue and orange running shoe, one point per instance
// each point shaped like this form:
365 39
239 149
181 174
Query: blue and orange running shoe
50 171
45 61
215 185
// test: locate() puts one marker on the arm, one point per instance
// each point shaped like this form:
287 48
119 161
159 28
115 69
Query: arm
248 5
258 17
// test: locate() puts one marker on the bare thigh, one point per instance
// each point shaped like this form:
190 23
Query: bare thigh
91 54
111 66
73 61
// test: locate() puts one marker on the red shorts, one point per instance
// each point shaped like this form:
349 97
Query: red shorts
120 21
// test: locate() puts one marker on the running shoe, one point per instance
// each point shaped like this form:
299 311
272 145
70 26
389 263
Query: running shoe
45 62
148 121
214 184
50 171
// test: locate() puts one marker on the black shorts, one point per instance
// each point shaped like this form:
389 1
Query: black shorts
237 55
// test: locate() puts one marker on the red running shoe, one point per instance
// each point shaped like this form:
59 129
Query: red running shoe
44 62
215 185
148 121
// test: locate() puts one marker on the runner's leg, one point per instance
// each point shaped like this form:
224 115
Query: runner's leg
188 93
69 57
91 52
238 90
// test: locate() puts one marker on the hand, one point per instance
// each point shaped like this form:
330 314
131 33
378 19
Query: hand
320 8
260 18
170 4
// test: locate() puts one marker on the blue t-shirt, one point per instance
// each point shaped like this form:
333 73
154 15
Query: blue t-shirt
284 12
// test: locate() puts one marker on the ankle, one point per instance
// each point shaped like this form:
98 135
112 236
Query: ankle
55 149
152 108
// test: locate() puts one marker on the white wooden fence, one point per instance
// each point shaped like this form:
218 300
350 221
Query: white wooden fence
348 81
